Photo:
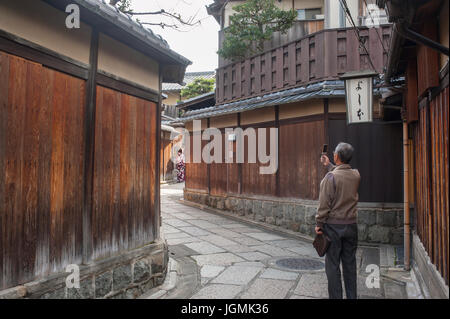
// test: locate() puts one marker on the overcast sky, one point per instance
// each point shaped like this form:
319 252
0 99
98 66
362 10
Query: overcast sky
198 44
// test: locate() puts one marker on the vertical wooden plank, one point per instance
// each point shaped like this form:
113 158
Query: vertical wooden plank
304 60
140 140
72 214
412 104
89 129
277 174
353 59
116 187
45 152
376 49
132 218
13 160
329 55
247 86
292 64
146 223
257 74
4 93
220 84
97 189
228 93
279 68
268 72
125 187
428 60
320 55
30 168
57 186
238 79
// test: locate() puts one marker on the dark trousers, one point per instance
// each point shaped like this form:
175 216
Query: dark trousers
344 240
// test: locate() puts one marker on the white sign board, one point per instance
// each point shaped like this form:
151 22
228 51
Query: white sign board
358 92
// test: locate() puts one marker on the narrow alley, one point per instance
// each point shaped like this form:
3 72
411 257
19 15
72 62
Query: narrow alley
216 257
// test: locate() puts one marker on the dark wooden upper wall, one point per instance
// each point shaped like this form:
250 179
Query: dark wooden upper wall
324 55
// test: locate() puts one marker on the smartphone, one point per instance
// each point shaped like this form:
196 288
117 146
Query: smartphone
324 149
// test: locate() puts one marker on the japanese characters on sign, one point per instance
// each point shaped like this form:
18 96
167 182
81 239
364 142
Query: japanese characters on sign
359 100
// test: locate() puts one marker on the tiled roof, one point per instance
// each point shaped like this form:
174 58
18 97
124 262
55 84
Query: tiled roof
127 23
188 78
324 89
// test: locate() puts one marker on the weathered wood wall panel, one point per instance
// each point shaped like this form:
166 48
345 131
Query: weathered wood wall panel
41 170
431 174
167 165
124 181
300 168
196 173
253 182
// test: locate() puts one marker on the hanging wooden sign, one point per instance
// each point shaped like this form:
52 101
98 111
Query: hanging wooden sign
359 96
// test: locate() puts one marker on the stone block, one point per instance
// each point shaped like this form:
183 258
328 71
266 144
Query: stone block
228 204
389 218
362 232
142 270
310 215
378 234
257 207
277 210
103 284
220 203
367 217
240 207
159 280
121 277
304 229
248 207
299 213
397 236
86 290
294 226
289 211
280 221
212 202
147 286
55 294
158 263
132 293
270 220
267 208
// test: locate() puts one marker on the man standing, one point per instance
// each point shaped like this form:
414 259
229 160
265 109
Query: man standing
336 217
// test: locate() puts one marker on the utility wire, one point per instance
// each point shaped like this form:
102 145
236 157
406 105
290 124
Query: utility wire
376 29
356 29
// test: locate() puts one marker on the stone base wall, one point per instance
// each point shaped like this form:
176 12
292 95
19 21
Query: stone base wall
126 276
430 280
376 223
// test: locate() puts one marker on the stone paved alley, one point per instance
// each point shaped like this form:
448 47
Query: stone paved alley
214 256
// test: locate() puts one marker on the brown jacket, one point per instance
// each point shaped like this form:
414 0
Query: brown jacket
338 196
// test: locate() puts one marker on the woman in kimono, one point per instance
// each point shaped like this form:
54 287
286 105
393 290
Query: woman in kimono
181 166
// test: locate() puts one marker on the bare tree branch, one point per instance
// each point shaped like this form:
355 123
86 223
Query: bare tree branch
179 21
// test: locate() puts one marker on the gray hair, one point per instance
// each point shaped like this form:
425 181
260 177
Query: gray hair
345 152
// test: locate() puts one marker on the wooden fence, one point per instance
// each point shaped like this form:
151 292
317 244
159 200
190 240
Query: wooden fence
323 55
378 157
431 179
